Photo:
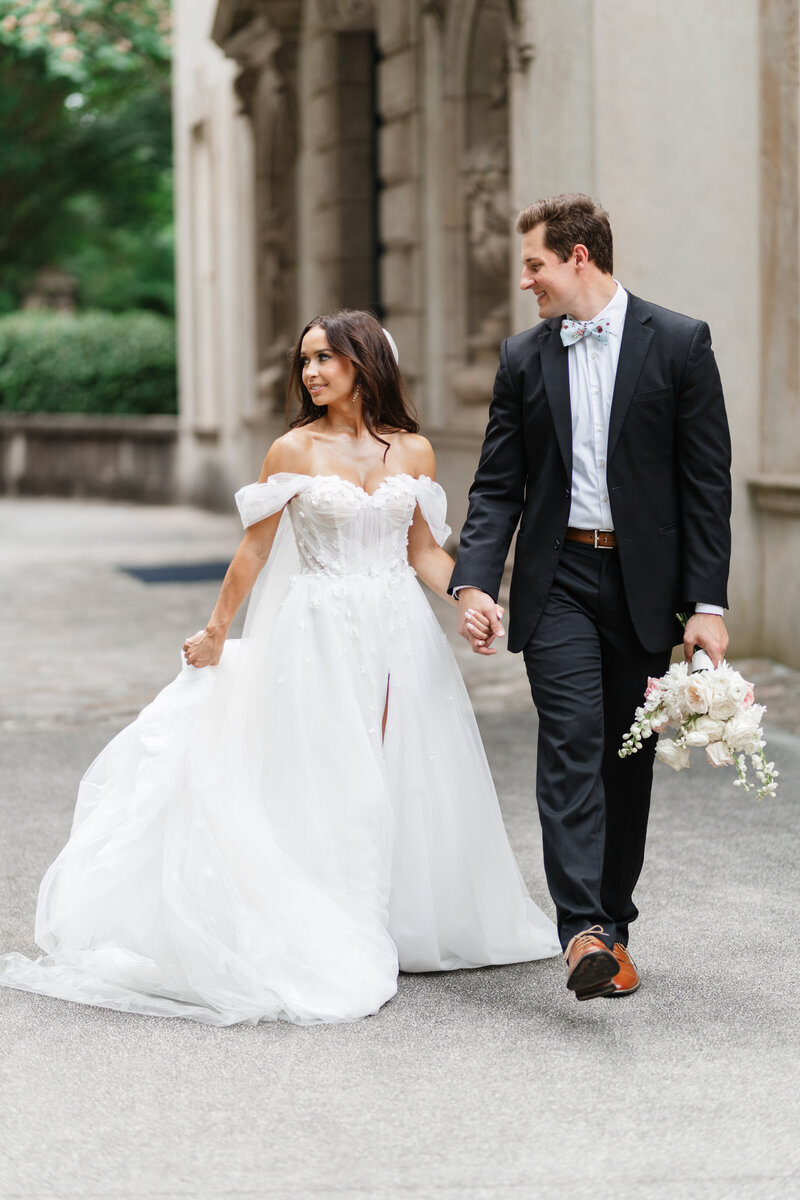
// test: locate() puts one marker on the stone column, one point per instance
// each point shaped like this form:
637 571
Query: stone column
776 487
213 177
264 44
338 205
436 286
400 166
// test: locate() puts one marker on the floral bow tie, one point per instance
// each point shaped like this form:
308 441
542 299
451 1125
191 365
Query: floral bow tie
573 331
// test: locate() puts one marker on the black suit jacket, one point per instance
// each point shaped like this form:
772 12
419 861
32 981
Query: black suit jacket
668 471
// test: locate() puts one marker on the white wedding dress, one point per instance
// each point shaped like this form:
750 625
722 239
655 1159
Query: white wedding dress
251 847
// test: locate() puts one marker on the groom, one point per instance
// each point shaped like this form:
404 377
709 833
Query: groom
608 445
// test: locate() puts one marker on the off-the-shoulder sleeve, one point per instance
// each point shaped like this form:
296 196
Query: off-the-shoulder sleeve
259 500
432 502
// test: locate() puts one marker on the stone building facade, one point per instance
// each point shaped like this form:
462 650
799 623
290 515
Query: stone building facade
373 153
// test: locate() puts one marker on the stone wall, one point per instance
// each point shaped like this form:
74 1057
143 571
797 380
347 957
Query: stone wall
118 458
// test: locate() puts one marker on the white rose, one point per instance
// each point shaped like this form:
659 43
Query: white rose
699 692
719 755
738 687
673 755
714 730
722 706
696 737
741 731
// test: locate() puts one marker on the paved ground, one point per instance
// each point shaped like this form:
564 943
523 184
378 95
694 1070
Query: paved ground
485 1084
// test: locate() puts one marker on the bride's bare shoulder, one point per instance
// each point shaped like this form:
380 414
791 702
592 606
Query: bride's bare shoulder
291 452
416 453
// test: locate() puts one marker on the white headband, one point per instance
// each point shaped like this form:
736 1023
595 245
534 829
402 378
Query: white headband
392 344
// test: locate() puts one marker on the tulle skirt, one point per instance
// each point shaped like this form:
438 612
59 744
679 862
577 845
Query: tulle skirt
255 846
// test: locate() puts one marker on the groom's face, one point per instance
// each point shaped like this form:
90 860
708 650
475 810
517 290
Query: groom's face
553 282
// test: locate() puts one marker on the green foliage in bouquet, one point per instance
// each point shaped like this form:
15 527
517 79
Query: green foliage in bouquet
89 362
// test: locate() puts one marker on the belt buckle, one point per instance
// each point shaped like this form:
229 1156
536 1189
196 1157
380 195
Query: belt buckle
598 545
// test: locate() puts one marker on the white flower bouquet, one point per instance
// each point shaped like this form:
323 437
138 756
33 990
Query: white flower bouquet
712 707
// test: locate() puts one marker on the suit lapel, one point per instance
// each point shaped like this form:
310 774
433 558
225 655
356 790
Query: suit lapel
637 334
555 373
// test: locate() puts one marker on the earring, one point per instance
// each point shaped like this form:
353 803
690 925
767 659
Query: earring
356 393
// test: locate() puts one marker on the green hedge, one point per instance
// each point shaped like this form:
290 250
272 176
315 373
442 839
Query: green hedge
88 362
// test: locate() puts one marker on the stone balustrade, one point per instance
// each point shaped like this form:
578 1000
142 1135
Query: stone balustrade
72 454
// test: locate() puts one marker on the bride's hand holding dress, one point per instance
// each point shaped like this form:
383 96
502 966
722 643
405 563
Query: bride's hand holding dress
203 649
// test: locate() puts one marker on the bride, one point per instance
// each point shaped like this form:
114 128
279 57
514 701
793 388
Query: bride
302 812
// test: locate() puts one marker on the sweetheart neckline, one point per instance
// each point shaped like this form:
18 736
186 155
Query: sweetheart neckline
357 486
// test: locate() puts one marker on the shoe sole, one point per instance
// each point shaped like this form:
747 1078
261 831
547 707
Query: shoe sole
595 993
592 971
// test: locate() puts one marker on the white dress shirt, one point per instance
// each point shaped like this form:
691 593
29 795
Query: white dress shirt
592 373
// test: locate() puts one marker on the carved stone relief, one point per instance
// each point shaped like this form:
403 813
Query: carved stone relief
347 14
484 172
262 36
488 239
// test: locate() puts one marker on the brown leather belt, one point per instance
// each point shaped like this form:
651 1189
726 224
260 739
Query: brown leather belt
601 539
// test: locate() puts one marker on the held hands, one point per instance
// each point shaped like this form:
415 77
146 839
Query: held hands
706 631
479 620
204 649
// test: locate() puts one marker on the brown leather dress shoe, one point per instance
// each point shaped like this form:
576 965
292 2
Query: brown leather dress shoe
591 966
627 979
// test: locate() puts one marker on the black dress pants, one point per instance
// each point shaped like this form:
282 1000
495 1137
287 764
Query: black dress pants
588 672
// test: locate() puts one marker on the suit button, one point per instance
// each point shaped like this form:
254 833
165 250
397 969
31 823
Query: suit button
557 544
567 493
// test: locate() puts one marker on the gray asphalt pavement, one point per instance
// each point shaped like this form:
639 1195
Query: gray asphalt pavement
473 1085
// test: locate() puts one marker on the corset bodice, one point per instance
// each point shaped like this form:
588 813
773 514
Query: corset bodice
341 530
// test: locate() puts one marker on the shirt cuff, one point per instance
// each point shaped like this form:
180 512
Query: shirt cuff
461 587
713 610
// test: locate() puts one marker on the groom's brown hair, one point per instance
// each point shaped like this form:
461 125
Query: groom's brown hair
570 220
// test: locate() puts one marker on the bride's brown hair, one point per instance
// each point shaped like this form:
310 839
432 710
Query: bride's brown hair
357 336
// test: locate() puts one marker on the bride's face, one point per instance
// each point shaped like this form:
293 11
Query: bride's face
329 377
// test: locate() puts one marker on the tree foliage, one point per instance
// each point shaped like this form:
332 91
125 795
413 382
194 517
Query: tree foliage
85 128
